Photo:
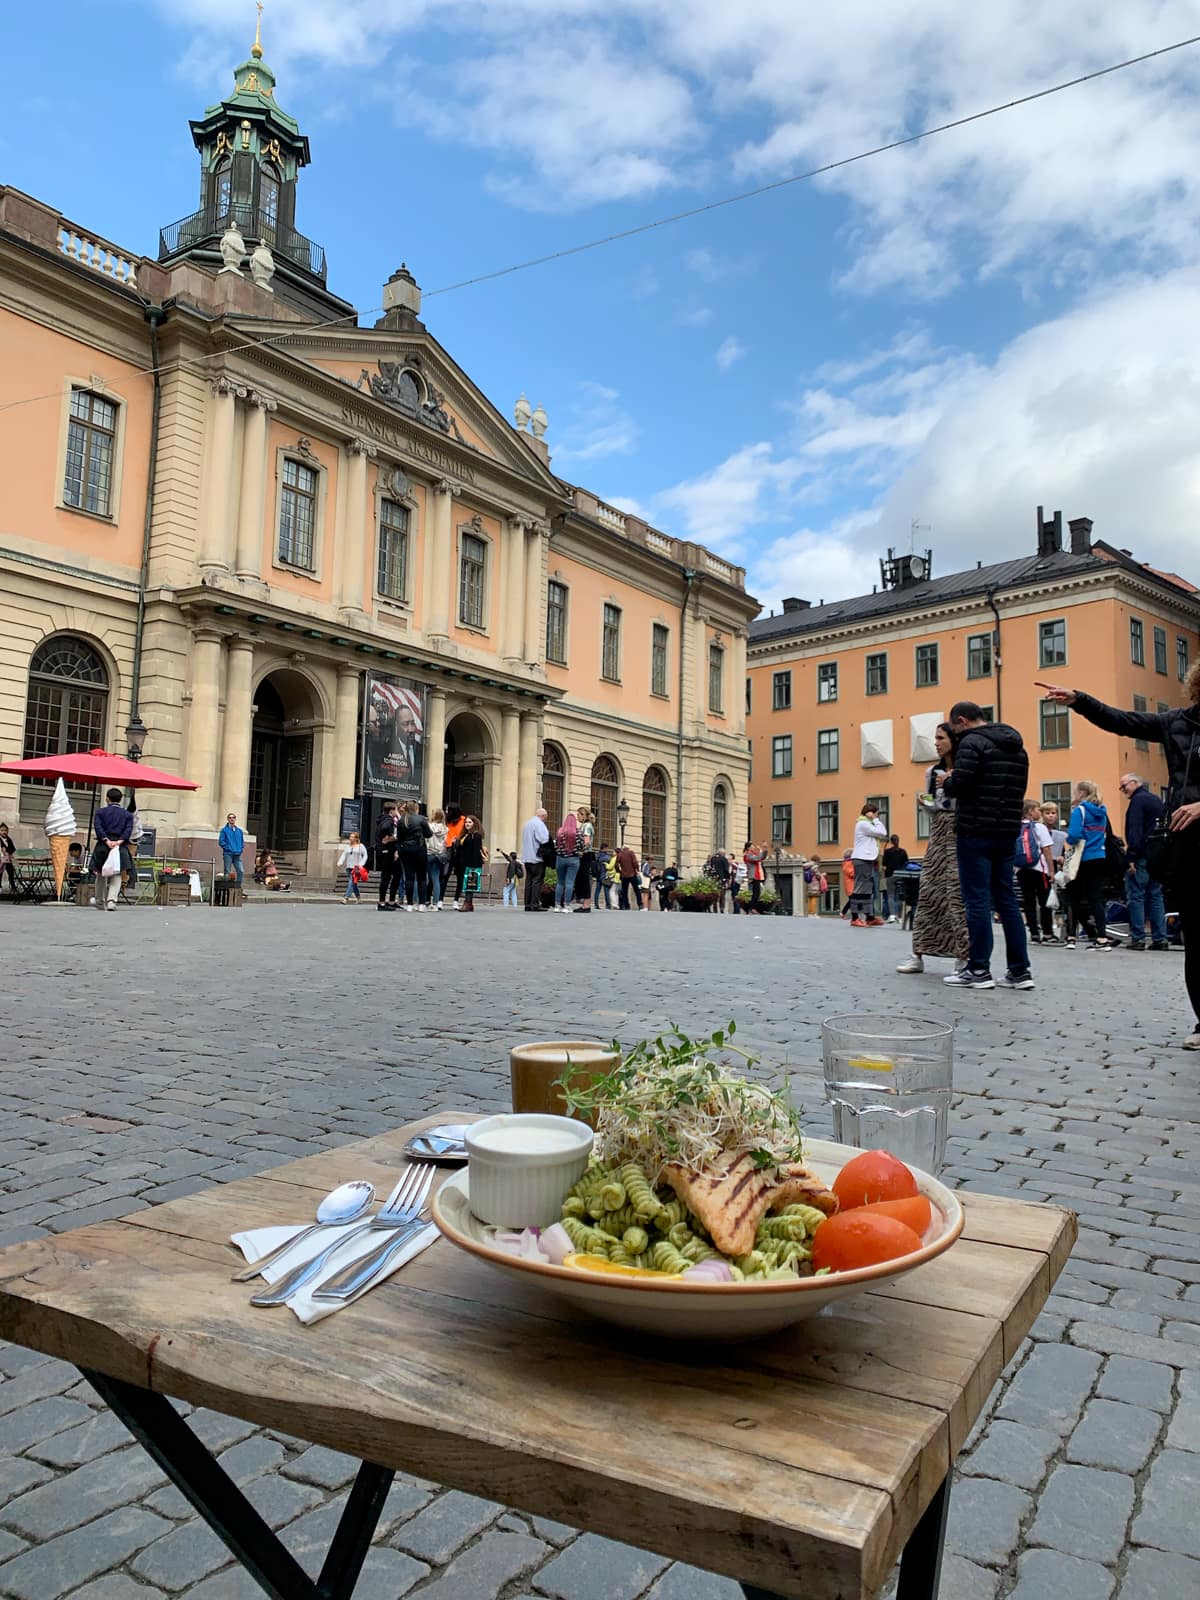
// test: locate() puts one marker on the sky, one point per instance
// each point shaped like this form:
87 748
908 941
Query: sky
924 345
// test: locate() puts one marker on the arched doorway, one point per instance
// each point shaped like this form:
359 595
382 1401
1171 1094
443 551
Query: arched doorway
469 753
279 798
654 815
605 783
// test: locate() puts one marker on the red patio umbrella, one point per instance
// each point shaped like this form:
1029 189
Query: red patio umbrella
97 767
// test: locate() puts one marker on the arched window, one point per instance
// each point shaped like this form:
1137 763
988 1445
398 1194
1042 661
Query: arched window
67 707
223 189
268 202
720 817
654 815
554 779
604 799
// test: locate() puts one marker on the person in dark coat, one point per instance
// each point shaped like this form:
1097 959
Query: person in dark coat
114 827
1178 732
987 784
387 859
1142 892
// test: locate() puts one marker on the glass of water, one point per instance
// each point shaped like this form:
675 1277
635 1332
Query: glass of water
889 1080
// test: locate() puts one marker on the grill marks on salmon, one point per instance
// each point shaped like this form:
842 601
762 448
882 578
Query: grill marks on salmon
732 1202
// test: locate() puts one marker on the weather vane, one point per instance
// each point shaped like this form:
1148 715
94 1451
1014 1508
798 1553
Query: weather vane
256 49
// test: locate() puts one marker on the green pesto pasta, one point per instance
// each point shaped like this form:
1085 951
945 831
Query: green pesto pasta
795 1228
641 1196
671 1213
752 1263
636 1240
680 1234
697 1250
812 1217
665 1258
610 1196
616 1222
591 1241
574 1206
593 1179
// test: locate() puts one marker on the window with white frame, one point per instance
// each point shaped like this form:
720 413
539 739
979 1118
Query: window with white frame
781 824
392 568
781 691
927 666
828 750
883 805
610 650
1137 642
828 824
91 450
877 672
298 514
472 580
979 655
827 682
781 755
1052 643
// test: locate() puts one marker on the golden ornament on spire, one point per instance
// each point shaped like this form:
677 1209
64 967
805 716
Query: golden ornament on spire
256 47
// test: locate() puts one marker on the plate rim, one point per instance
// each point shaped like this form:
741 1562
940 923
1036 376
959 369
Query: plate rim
564 1276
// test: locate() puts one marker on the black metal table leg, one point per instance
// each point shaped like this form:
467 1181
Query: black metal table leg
921 1561
163 1433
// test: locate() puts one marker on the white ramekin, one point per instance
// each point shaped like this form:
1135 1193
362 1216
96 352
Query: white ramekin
515 1189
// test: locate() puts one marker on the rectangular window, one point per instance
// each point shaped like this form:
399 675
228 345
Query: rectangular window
297 514
1181 656
392 575
659 644
1055 726
924 818
828 750
781 824
1052 643
877 673
1139 704
781 755
716 679
749 696
556 622
781 691
91 437
827 679
610 652
1058 794
471 580
1162 708
979 655
1160 651
885 811
988 713
927 666
827 822
1137 642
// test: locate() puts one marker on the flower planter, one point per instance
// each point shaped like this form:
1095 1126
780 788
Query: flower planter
694 902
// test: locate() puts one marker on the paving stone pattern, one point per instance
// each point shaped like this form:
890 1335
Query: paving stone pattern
150 1054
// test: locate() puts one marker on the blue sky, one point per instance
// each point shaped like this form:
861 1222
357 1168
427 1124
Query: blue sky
1001 316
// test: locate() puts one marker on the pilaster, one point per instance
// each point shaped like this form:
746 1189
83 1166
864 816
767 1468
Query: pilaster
438 560
198 809
435 749
252 498
529 776
512 600
510 767
538 537
235 742
216 554
352 535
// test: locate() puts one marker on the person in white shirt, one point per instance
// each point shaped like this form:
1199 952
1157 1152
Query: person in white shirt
353 856
868 831
1035 877
534 835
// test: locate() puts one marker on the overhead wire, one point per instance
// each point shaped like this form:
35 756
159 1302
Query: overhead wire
307 328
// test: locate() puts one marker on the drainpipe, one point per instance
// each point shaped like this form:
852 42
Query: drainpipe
991 600
155 316
689 575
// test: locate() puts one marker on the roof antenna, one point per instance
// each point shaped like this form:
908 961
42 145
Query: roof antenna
915 527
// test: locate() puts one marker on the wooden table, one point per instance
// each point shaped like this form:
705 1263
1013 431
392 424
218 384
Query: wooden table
803 1465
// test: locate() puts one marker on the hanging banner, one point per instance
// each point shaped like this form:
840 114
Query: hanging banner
394 738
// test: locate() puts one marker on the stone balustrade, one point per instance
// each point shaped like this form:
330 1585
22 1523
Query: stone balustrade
101 257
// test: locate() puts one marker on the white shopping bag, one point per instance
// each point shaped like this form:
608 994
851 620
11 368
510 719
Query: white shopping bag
112 863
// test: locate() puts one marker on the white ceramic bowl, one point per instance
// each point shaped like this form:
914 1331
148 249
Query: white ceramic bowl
713 1311
516 1182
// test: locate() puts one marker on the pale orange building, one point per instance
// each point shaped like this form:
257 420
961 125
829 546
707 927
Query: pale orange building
843 699
228 505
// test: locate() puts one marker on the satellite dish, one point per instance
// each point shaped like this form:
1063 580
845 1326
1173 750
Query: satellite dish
916 566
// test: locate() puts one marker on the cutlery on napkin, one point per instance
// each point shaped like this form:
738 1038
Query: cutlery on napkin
258 1242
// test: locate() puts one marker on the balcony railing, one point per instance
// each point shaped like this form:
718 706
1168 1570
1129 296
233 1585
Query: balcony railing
207 225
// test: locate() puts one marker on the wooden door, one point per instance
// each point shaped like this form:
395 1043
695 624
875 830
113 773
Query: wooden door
290 828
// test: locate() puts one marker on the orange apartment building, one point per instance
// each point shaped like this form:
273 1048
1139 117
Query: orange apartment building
843 699
229 508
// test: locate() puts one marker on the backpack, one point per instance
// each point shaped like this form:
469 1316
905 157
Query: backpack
518 871
1028 850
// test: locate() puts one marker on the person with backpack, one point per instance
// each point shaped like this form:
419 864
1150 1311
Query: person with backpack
605 877
1034 873
1088 834
717 868
514 872
566 863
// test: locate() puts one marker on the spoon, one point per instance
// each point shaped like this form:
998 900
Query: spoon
445 1144
340 1205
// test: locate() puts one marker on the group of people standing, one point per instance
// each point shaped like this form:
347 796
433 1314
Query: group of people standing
417 856
587 873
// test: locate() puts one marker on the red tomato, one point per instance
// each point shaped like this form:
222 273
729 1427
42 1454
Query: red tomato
916 1212
857 1239
871 1177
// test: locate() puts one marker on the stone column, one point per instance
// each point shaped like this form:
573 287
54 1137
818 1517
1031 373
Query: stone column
512 601
435 750
216 554
530 764
253 496
198 808
506 835
700 648
438 556
352 535
235 744
535 588
345 737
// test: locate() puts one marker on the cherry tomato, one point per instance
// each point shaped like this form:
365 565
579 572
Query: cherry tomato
915 1212
857 1239
871 1177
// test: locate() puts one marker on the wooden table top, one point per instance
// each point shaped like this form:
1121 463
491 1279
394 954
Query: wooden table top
800 1463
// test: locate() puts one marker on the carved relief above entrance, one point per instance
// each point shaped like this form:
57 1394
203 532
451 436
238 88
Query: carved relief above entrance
400 385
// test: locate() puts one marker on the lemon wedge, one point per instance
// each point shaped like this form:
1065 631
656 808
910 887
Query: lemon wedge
586 1263
871 1064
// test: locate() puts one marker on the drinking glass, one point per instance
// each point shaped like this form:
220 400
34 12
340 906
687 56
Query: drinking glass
889 1080
535 1067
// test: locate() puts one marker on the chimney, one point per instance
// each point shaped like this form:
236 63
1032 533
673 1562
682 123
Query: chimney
792 604
1049 534
1081 536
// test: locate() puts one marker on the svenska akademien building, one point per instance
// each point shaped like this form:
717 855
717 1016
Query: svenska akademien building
219 515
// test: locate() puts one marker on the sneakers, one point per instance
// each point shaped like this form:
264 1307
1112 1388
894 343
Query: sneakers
913 964
1136 944
1070 944
967 979
1161 944
858 922
874 922
1049 938
891 919
1018 980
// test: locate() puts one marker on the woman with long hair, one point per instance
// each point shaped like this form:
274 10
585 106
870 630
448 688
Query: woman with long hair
566 864
437 864
353 857
414 830
455 821
940 925
1085 894
472 854
587 858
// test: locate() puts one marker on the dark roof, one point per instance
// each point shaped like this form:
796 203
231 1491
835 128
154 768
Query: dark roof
1001 575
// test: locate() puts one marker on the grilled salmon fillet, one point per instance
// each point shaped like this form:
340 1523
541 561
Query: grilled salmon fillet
733 1201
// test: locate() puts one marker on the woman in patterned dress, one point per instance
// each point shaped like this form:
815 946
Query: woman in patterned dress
940 926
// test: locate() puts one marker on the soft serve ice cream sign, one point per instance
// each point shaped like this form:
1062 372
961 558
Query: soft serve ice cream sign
61 828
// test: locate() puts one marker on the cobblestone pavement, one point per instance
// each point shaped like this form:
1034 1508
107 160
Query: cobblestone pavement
153 1053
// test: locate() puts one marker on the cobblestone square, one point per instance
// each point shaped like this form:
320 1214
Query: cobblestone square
149 1054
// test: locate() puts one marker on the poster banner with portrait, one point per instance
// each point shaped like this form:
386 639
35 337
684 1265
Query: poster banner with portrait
394 738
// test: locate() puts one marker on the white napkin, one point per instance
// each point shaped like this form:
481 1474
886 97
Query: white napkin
259 1242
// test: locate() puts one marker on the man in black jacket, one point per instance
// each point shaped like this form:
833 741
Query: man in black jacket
991 770
1143 812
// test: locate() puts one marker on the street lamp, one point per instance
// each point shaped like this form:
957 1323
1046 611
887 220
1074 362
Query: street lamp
135 737
622 818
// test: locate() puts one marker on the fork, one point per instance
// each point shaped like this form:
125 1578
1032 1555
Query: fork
402 1206
344 1284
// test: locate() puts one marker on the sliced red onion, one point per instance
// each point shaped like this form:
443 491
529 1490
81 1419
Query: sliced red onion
556 1243
710 1271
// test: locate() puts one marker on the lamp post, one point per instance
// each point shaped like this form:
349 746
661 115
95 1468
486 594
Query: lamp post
622 818
135 740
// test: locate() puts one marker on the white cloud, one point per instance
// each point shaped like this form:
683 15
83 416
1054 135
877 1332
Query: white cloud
596 426
695 316
720 507
730 351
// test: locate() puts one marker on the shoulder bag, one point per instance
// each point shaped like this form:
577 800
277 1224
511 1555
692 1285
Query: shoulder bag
1162 848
